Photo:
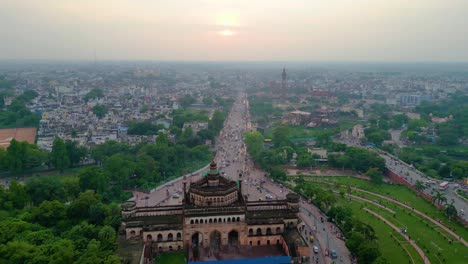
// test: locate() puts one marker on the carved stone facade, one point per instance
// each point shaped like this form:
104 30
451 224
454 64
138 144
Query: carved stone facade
213 215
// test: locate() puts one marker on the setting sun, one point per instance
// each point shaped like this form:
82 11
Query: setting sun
227 20
226 33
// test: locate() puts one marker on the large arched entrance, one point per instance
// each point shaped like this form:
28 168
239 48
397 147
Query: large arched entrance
197 239
233 238
197 242
215 241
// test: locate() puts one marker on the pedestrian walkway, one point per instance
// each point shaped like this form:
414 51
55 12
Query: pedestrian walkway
418 249
446 229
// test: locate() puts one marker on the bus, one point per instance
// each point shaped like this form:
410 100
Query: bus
444 185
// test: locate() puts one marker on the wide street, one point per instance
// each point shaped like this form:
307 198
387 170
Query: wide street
232 159
411 175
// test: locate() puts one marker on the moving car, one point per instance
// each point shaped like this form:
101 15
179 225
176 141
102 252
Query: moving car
316 249
333 254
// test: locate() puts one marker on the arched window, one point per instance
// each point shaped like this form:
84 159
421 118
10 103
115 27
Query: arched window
238 219
170 237
251 232
250 242
224 220
268 242
179 236
258 242
278 230
191 222
220 220
159 237
210 221
196 221
277 241
268 231
215 220
170 248
229 219
132 232
178 247
259 231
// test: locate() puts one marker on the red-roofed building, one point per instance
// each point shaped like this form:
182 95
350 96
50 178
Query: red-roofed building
27 134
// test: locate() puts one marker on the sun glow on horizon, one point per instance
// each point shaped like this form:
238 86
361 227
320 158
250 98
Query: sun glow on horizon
226 33
227 20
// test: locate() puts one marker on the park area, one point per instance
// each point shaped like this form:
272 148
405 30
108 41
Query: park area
171 258
408 228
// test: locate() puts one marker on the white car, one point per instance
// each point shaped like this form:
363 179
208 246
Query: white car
316 249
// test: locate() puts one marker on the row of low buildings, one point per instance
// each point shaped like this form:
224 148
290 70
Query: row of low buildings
131 94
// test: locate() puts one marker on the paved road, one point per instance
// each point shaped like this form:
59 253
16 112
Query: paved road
411 175
232 159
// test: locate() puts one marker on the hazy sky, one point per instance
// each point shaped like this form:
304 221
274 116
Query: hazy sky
307 30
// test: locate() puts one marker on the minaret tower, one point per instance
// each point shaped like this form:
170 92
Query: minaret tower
283 83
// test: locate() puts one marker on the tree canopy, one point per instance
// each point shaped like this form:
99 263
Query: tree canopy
95 93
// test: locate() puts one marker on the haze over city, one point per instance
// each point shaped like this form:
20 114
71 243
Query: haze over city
234 132
303 30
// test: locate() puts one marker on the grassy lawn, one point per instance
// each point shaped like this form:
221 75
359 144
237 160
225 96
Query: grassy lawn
171 258
391 249
435 245
427 236
346 123
403 194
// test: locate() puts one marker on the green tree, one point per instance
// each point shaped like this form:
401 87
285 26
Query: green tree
278 174
18 195
93 178
108 238
45 188
419 185
305 160
94 94
439 198
16 157
75 153
416 124
80 208
3 159
99 110
368 252
58 155
254 142
450 210
120 167
49 213
375 175
217 121
281 136
186 101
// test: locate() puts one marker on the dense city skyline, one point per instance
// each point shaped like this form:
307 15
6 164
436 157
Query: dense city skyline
393 31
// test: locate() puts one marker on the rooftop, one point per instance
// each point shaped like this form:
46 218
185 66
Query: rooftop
27 134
